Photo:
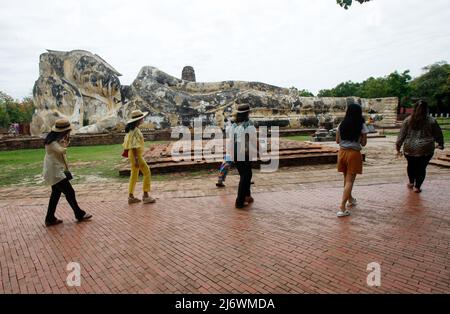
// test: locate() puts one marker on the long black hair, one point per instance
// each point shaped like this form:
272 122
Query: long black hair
131 126
351 127
55 136
419 115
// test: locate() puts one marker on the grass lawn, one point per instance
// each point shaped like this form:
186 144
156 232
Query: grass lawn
446 136
308 138
445 132
443 121
302 138
87 162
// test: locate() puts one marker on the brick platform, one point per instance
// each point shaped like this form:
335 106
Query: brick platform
286 242
290 153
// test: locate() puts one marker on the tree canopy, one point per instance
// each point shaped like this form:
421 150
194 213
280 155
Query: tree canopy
433 85
305 93
394 85
347 3
13 111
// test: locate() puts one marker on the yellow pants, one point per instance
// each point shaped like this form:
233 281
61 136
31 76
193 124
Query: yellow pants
143 167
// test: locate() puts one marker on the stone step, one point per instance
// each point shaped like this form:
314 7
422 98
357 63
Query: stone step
290 153
440 163
444 158
166 159
284 161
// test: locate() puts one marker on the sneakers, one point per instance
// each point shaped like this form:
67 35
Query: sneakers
133 200
341 213
145 200
148 200
220 184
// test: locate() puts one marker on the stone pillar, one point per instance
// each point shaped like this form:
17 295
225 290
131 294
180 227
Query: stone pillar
387 107
188 74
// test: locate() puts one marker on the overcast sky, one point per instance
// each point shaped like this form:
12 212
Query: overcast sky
312 44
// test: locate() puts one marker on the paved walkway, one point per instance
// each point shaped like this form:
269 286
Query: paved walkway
194 241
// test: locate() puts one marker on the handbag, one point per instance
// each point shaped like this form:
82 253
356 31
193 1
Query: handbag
67 173
125 153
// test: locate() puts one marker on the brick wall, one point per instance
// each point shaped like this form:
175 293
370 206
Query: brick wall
30 142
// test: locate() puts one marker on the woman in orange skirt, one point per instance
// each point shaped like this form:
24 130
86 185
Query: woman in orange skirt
351 135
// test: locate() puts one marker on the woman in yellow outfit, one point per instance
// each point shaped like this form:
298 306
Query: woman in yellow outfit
134 144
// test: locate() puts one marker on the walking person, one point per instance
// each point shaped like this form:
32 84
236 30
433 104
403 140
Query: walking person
243 151
351 136
223 171
56 172
227 163
134 146
418 135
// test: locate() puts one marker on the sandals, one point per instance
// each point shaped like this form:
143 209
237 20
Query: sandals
148 200
341 213
352 202
133 200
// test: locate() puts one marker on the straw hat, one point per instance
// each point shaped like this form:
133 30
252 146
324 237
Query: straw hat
243 108
137 115
61 125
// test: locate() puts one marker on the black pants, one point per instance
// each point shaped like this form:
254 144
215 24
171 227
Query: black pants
65 187
245 173
417 169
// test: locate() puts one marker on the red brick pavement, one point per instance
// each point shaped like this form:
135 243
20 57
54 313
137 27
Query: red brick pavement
286 242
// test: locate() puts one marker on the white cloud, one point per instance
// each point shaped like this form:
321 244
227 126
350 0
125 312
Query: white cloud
303 43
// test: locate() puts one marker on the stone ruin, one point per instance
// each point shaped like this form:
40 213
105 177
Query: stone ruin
84 88
188 74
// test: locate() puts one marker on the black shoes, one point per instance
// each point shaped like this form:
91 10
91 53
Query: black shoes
85 217
53 222
59 221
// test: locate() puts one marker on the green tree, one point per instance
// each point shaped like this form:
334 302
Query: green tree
305 93
345 89
325 93
4 117
374 88
399 85
5 100
27 107
347 3
434 86
12 111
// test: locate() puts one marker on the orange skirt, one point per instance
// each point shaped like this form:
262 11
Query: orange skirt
350 161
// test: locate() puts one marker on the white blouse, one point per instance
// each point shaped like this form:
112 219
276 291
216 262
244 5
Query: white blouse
54 163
